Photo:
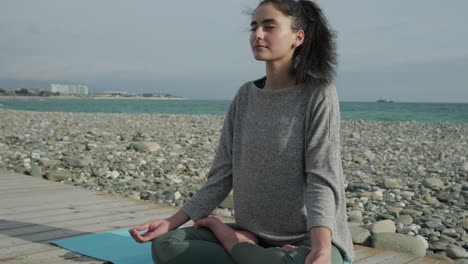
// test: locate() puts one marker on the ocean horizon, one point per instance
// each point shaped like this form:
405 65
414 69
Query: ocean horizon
378 111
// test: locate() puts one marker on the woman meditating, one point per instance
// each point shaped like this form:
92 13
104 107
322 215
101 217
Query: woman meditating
279 152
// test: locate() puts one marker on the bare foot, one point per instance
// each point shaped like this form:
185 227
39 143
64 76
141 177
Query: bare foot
288 247
226 235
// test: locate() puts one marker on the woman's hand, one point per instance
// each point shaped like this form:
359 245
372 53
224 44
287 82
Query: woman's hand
319 255
155 228
320 240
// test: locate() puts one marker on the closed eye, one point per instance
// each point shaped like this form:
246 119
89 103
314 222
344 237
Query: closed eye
253 29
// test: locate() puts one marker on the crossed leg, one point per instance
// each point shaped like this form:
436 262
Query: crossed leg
217 242
230 237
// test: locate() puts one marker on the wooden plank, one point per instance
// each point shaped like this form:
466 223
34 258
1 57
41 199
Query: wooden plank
377 258
108 218
26 201
361 253
427 260
12 189
33 193
397 258
78 260
36 228
48 220
46 256
96 206
114 208
373 255
52 206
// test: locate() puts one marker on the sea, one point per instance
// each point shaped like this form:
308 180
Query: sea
379 111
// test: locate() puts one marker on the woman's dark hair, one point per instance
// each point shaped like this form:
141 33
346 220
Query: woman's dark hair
315 59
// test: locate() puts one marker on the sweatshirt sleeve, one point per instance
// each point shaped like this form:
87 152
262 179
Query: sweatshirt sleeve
219 178
323 160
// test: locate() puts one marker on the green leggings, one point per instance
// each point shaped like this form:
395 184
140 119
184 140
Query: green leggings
199 245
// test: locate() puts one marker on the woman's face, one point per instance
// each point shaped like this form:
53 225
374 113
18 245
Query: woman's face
272 38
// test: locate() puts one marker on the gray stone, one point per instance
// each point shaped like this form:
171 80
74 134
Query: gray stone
426 197
146 146
464 237
48 163
58 175
442 156
451 232
353 187
438 245
137 183
222 212
77 162
355 216
465 224
3 148
414 213
369 155
408 229
134 195
383 226
391 183
456 252
465 166
36 171
423 240
448 239
385 216
404 219
355 224
377 195
433 183
359 234
426 231
461 261
433 223
228 203
399 243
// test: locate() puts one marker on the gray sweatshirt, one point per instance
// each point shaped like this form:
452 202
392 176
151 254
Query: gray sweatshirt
279 152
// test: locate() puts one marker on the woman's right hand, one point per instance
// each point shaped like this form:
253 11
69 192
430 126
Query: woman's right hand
154 229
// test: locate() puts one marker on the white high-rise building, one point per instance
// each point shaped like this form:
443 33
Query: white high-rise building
75 89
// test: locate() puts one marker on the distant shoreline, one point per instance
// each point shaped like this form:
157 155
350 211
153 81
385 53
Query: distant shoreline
3 97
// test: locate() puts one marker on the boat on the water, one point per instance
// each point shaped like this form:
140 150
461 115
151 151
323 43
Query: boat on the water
384 101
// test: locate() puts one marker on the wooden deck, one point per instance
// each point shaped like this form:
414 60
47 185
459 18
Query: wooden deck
34 212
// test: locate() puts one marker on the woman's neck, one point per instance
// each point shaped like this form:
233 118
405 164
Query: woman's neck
278 76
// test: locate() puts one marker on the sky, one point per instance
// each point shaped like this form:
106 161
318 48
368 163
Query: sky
406 51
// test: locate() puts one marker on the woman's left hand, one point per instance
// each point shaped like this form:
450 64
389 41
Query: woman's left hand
319 255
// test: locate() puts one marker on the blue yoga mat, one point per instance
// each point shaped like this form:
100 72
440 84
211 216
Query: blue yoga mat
116 246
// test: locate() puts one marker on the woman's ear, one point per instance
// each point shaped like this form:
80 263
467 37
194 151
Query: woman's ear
299 38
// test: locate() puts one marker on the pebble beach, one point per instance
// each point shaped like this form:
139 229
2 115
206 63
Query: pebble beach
406 182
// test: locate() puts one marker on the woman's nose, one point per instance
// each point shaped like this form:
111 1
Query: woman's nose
258 33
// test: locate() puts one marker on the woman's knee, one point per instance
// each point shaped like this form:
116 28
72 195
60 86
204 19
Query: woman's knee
160 246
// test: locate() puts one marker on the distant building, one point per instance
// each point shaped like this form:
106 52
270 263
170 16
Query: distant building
75 89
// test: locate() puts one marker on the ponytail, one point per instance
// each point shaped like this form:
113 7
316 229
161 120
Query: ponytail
315 59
